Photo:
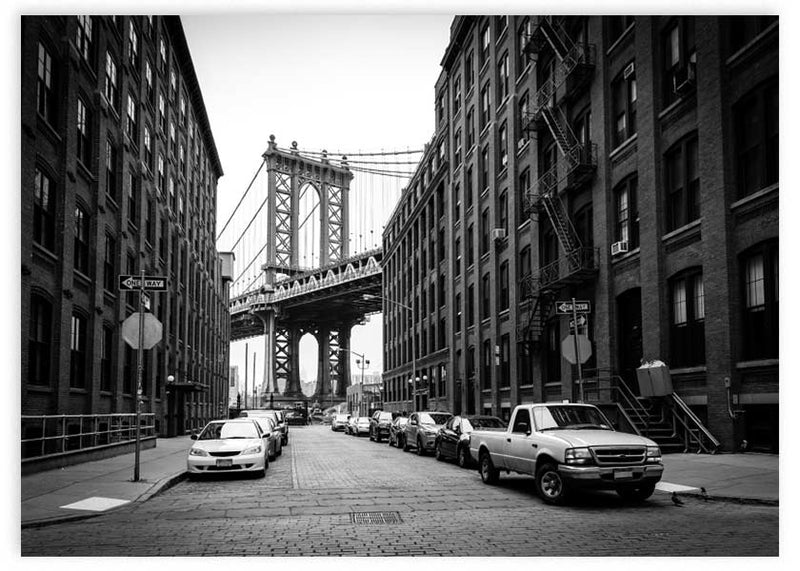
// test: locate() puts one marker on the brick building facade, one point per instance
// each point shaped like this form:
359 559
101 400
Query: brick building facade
628 161
119 175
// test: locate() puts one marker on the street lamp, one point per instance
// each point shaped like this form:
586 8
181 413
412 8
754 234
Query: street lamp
368 297
363 367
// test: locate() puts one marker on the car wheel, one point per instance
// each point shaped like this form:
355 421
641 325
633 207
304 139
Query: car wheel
489 474
550 485
638 493
377 438
280 448
371 437
420 449
406 447
437 452
463 457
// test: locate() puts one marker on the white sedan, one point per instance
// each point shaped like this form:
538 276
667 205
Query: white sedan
229 446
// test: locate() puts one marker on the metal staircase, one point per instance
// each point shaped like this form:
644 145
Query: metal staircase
667 420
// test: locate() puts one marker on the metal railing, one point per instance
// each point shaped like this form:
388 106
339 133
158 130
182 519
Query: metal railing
49 435
617 391
693 429
579 260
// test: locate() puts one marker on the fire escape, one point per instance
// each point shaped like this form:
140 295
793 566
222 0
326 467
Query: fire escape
575 167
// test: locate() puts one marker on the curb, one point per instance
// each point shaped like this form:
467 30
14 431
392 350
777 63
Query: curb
730 499
160 486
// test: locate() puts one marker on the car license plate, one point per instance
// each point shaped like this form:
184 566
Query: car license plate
623 474
224 463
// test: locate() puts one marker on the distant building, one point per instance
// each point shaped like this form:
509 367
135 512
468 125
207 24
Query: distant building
119 176
233 385
630 161
362 400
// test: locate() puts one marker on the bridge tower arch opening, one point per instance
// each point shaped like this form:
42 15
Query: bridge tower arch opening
310 242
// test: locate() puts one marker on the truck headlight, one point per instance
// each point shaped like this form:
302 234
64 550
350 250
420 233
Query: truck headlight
197 452
653 454
578 456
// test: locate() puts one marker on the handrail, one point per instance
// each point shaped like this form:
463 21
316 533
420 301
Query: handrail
628 419
617 385
698 425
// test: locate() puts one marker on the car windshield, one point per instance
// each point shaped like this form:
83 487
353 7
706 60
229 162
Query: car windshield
401 421
481 422
573 417
265 423
363 420
385 416
225 430
433 418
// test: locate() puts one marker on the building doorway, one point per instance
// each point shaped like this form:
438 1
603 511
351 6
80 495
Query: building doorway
629 344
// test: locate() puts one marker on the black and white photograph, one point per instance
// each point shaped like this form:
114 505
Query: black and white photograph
468 281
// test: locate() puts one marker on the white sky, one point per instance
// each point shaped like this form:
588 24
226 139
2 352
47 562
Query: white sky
339 82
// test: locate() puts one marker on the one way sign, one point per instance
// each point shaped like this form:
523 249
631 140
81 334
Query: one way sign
565 307
151 283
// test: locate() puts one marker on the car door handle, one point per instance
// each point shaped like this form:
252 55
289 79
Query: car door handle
508 440
535 445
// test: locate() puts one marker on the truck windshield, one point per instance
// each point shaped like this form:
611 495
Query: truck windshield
572 417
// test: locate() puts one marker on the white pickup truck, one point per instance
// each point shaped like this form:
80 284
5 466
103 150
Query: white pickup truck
565 446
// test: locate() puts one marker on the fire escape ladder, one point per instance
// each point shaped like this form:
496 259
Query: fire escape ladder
563 136
565 231
555 36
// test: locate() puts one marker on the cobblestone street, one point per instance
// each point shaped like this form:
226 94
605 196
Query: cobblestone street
305 506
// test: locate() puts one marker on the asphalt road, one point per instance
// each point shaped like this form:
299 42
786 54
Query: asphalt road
312 497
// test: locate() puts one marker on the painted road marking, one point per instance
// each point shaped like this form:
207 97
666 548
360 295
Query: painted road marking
95 504
667 487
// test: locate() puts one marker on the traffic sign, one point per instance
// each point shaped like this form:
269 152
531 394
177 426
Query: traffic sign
581 322
151 283
565 307
584 348
146 301
153 330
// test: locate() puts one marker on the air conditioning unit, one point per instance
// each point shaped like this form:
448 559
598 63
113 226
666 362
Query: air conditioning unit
684 78
629 69
498 234
620 247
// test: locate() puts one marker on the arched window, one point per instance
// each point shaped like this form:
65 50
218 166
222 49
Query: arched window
758 268
40 338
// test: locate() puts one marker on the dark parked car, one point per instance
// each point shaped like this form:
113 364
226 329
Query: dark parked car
379 425
396 431
452 441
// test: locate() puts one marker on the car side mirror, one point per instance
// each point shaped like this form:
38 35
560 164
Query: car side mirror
412 422
194 437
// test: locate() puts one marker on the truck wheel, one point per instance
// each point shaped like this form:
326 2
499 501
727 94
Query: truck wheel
489 474
463 457
638 493
550 485
420 449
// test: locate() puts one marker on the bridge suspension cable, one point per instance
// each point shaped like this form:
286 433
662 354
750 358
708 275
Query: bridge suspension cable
255 176
359 154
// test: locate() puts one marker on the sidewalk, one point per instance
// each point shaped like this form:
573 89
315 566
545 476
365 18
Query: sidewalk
98 486
89 489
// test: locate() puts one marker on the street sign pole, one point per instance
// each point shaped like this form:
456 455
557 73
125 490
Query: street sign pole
139 368
577 353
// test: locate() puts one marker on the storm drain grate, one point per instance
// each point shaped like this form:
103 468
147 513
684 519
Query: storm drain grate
375 518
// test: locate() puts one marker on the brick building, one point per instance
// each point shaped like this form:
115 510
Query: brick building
628 161
119 175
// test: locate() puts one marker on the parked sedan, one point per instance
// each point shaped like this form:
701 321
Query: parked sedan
396 431
452 442
339 422
361 426
272 436
228 446
277 417
420 432
351 424
379 425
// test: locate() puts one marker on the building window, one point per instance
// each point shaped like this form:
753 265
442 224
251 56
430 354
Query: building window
687 331
77 345
470 245
40 339
680 56
756 131
504 286
132 126
162 55
502 79
457 324
44 210
505 361
468 189
484 169
486 106
84 39
111 91
109 264
626 228
523 35
81 242
524 189
502 151
623 91
457 202
133 200
470 128
522 119
486 40
456 95
500 25
502 210
759 270
84 126
457 146
45 86
148 78
133 45
162 115
106 353
744 29
682 184
485 231
486 300
469 73
617 26
486 376
440 107
160 173
172 137
457 269
471 305
173 85
148 147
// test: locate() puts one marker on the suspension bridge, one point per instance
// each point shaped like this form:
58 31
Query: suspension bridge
306 237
